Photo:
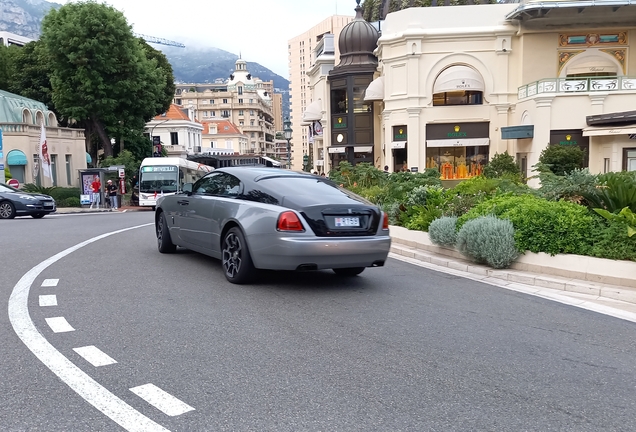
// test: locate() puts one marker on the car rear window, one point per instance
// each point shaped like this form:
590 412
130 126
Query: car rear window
295 186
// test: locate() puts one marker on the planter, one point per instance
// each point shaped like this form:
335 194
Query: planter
599 270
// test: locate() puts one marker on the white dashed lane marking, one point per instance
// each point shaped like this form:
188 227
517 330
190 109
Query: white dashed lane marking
48 300
50 282
94 356
59 325
161 400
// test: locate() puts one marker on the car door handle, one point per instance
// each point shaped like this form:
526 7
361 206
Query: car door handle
183 202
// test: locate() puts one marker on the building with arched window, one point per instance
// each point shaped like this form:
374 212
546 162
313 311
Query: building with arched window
21 121
456 85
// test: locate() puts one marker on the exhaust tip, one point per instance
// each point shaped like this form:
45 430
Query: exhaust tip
307 267
378 264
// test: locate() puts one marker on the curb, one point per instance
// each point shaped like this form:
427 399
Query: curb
613 292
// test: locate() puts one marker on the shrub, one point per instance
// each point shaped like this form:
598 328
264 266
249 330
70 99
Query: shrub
394 212
615 192
443 231
540 226
500 165
573 186
562 159
490 240
612 241
33 188
69 202
420 217
60 194
7 174
460 204
417 196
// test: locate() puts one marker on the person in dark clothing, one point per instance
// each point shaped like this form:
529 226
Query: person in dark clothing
111 189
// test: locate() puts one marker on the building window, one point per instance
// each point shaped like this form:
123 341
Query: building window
241 123
251 112
606 165
240 90
240 112
251 122
629 159
69 178
17 172
54 169
241 101
224 101
251 100
213 113
458 98
211 101
252 135
177 101
174 138
338 101
225 114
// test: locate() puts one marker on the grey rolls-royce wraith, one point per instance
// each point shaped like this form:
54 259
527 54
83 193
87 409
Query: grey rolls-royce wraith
268 218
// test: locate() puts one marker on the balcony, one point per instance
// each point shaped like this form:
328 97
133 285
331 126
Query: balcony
577 85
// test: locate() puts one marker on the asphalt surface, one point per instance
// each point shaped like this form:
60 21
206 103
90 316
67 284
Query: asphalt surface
399 348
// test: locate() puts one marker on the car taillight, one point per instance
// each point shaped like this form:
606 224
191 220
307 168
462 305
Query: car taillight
385 221
288 221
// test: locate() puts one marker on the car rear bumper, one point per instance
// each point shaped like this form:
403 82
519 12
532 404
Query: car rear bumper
315 253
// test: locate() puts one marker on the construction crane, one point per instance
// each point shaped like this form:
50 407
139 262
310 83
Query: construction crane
160 41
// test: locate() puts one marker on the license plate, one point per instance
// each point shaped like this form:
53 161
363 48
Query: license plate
347 222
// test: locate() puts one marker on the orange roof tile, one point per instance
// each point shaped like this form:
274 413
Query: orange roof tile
175 112
223 127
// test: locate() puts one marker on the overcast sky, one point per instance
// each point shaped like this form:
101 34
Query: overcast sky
259 29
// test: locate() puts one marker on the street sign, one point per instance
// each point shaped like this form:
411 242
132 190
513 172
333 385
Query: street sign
122 173
14 183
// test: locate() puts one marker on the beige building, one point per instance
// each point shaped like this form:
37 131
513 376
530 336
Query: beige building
244 100
301 52
223 137
277 109
21 121
456 85
177 131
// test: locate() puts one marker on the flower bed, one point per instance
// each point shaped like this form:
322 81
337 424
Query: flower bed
578 213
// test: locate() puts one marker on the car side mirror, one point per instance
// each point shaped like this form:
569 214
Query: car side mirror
187 189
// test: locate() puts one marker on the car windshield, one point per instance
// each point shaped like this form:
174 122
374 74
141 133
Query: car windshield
7 188
158 179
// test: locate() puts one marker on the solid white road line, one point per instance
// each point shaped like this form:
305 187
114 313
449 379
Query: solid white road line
95 356
48 300
59 325
85 386
546 293
50 282
161 400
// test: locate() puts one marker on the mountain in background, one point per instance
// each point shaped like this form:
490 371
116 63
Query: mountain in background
190 65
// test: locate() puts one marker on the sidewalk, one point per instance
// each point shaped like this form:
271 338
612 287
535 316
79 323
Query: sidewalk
70 210
620 297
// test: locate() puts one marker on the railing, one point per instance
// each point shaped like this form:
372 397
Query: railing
577 85
34 130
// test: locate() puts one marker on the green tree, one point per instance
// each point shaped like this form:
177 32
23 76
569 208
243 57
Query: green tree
502 164
7 65
100 74
127 159
561 160
166 67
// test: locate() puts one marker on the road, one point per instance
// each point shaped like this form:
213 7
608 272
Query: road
399 348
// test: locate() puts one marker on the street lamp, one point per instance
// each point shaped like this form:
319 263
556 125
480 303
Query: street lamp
152 131
287 130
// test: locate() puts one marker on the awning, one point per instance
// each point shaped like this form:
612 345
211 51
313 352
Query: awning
16 157
517 132
89 159
273 161
461 142
337 149
590 65
604 131
375 91
398 144
363 149
313 112
457 78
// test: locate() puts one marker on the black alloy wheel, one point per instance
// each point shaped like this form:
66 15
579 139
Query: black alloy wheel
7 210
237 262
348 272
164 242
38 215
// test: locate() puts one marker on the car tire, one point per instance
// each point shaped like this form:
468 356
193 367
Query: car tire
348 272
235 257
7 210
164 242
38 215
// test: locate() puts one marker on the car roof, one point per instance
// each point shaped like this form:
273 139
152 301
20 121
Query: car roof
257 173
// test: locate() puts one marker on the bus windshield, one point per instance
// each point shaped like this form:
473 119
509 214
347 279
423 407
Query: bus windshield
158 179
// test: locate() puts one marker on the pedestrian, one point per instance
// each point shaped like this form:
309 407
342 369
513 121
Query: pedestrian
111 189
96 187
322 174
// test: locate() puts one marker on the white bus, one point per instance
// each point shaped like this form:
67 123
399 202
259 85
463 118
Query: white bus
166 176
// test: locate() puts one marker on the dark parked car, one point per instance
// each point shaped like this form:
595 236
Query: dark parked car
14 202
268 218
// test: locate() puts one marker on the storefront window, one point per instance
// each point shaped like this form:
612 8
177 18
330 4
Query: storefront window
339 103
359 104
630 159
458 98
457 162
336 158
